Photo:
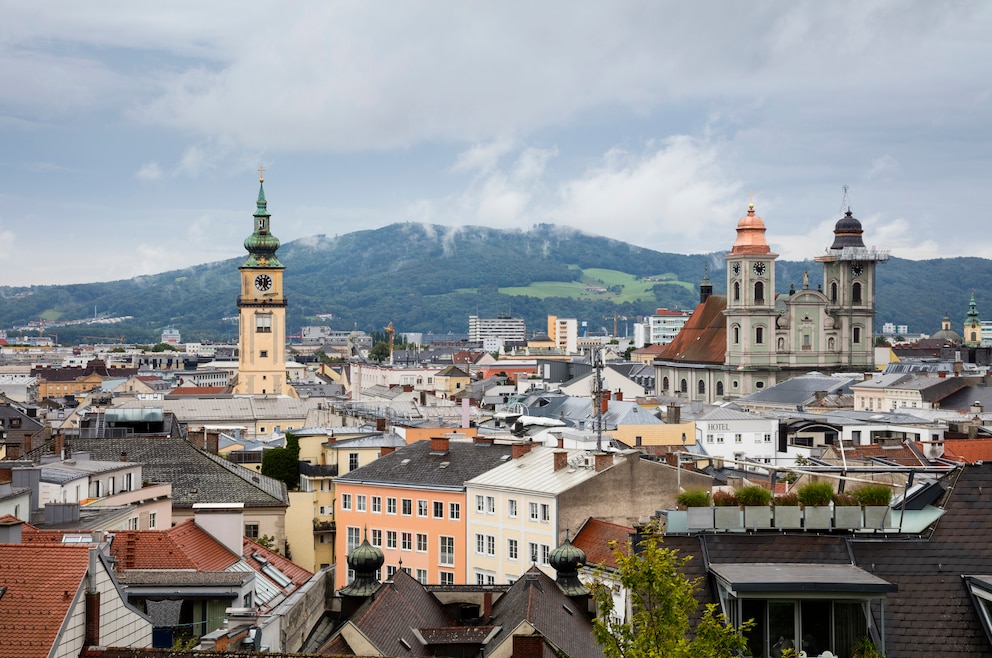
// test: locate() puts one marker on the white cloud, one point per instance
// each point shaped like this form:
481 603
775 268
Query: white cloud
149 171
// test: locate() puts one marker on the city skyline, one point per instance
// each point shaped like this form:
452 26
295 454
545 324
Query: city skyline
133 134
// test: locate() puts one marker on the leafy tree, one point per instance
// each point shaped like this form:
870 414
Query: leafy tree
164 347
379 352
662 601
284 463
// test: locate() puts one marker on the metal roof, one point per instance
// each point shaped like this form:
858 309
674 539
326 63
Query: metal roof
749 577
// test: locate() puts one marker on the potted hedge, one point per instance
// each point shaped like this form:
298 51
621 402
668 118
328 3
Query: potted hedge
875 499
755 500
847 512
697 503
727 511
816 498
788 514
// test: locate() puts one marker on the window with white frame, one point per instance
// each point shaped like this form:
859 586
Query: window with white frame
533 511
480 543
390 506
407 507
545 512
455 511
421 542
390 571
352 461
545 553
346 501
390 539
480 504
512 551
446 577
532 550
447 552
406 541
511 508
490 505
353 539
422 509
152 520
132 523
376 504
490 545
438 509
377 538
360 503
422 576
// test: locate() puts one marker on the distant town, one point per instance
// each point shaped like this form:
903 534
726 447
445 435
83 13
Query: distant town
303 493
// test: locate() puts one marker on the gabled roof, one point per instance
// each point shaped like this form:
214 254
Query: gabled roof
185 546
39 586
197 476
597 538
417 464
703 339
968 450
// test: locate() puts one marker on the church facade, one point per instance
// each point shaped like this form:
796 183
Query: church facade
262 311
752 338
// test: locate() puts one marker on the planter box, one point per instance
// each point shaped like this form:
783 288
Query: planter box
728 518
848 517
817 518
676 521
700 518
878 517
788 517
757 516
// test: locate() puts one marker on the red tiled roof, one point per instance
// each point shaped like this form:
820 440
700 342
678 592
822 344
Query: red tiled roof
968 450
293 571
198 390
596 539
41 585
185 546
703 339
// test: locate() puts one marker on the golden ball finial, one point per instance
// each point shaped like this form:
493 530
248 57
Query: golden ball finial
261 170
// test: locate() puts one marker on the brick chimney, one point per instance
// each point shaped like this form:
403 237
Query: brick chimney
603 461
380 424
487 605
561 442
604 401
518 450
386 450
439 444
618 396
561 459
528 646
482 440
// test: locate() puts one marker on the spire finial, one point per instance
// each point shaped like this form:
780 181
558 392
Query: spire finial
750 201
261 178
845 204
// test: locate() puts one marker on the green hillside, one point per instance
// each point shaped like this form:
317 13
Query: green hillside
431 278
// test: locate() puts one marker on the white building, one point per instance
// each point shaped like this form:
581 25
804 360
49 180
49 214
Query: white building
507 328
565 333
737 435
665 325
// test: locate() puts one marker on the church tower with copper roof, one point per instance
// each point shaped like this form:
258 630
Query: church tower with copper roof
262 311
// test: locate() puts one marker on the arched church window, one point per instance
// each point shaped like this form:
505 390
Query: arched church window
759 335
857 335
759 292
684 386
701 387
833 292
856 293
719 388
664 384
737 291
737 335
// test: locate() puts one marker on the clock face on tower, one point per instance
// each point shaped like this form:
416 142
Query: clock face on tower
736 269
857 269
263 282
759 268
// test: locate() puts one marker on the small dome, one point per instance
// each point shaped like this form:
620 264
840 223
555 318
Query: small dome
847 232
567 557
750 235
366 558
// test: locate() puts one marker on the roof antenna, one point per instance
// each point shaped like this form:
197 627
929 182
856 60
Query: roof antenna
845 205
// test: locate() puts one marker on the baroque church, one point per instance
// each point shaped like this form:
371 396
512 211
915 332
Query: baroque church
751 338
262 311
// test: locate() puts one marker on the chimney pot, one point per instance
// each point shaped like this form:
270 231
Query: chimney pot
561 459
518 450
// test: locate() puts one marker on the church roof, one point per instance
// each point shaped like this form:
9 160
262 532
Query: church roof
750 235
703 339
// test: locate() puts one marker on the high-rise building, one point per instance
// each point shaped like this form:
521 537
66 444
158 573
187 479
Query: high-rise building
504 327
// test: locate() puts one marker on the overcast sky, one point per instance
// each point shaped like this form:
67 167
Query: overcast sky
132 131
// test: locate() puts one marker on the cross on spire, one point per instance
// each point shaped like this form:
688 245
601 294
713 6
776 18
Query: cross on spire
261 170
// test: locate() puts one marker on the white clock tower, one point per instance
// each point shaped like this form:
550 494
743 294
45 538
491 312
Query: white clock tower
262 312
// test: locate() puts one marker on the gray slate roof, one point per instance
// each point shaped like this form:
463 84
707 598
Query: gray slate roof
197 476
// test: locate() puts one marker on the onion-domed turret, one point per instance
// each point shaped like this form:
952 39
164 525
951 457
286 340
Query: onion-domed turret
848 232
750 235
261 244
365 561
566 560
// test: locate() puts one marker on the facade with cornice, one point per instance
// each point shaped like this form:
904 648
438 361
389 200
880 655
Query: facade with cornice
752 338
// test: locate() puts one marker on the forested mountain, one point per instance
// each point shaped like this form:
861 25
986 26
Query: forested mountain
431 278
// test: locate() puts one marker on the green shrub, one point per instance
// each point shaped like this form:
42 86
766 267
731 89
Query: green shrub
694 498
787 500
845 500
724 499
874 494
754 496
816 494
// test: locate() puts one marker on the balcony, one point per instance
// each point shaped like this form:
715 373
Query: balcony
318 470
323 527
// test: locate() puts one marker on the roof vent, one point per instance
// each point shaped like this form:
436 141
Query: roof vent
444 465
405 462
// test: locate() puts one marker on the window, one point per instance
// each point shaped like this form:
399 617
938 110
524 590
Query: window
532 549
490 505
533 511
422 576
422 509
407 507
263 354
152 520
454 511
251 530
446 577
438 509
480 504
737 438
833 292
857 335
490 545
390 572
406 541
421 543
390 506
684 386
719 438
545 553
376 504
352 461
709 438
390 539
737 291
511 508
719 388
360 502
377 538
545 512
485 578
512 549
263 324
132 523
759 292
353 540
447 553
480 543
856 293
768 438
701 387
759 335
345 501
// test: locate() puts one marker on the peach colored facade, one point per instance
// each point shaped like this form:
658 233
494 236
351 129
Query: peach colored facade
414 434
409 525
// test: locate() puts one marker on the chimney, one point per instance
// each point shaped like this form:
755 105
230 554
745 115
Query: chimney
604 401
386 450
561 459
518 450
673 415
123 455
528 646
487 605
380 424
91 630
561 442
819 395
10 531
482 440
618 396
603 461
868 376
439 444
977 407
942 374
225 522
